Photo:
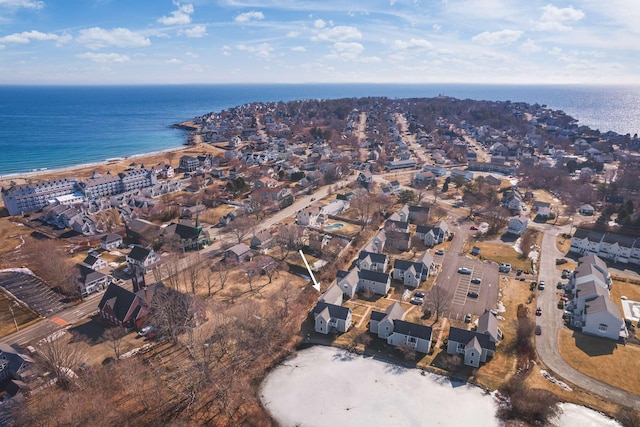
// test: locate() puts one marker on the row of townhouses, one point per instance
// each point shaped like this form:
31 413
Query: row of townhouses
615 247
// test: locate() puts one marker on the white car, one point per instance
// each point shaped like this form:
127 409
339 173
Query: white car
464 270
144 331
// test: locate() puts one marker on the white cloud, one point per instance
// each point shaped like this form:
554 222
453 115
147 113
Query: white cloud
249 16
193 67
103 57
174 61
22 4
196 31
191 55
531 46
298 49
413 44
437 27
319 23
27 36
337 33
293 34
181 16
554 18
226 50
262 50
504 37
96 38
350 52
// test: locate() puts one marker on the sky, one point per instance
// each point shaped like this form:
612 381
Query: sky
326 41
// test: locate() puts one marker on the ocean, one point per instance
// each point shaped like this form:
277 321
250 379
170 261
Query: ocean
54 127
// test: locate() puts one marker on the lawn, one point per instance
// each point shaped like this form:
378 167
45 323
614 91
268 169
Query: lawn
630 289
601 358
502 253
23 314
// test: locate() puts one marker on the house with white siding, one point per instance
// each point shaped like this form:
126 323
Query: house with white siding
410 273
372 261
411 335
356 280
381 323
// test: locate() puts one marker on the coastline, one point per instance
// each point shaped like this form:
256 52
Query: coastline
114 165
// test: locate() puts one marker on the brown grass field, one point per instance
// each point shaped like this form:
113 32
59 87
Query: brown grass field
24 316
500 253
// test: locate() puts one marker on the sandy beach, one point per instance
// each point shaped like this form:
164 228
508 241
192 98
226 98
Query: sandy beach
114 165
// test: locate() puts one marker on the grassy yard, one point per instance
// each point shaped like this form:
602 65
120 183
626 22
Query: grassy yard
502 253
23 315
629 289
601 358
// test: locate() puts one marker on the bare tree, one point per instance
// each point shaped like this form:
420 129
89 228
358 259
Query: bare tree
437 300
173 313
115 335
222 270
242 226
288 238
193 270
61 358
48 260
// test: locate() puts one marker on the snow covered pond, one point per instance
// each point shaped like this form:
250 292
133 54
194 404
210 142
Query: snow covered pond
325 386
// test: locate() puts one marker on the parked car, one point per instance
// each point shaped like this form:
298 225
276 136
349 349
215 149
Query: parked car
439 252
472 294
539 311
533 285
419 294
504 268
567 315
464 270
417 301
144 331
538 330
476 280
559 285
467 318
473 227
541 285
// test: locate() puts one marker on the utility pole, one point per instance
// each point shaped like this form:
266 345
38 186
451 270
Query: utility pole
14 318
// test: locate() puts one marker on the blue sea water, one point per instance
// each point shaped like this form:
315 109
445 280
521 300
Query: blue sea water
60 126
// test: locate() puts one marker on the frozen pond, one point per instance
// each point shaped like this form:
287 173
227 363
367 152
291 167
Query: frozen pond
325 386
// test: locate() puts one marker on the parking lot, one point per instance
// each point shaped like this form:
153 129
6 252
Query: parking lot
460 286
33 292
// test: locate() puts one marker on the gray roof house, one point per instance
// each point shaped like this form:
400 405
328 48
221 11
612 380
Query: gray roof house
238 252
602 318
110 241
474 346
372 261
356 280
330 317
95 263
89 280
381 323
143 257
411 273
12 362
411 335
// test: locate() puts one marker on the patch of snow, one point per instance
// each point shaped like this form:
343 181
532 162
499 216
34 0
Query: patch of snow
516 245
580 416
553 380
18 270
115 253
17 224
501 307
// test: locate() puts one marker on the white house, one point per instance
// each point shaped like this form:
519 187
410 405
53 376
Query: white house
356 280
143 257
412 335
372 261
517 225
331 317
474 346
381 324
111 241
602 318
308 216
95 263
411 273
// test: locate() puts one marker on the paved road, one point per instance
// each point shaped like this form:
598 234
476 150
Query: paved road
551 322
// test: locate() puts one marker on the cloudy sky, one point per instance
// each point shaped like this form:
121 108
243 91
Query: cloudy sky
301 41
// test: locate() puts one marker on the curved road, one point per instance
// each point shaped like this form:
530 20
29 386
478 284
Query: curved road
551 322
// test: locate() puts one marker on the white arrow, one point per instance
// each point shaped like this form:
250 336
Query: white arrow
316 285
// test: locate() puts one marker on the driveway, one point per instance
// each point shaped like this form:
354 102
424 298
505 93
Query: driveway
551 322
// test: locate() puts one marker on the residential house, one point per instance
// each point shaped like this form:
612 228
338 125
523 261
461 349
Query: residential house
590 271
190 237
378 243
261 240
89 280
426 259
238 253
13 363
488 325
517 226
399 240
410 273
419 214
144 258
466 175
602 318
401 215
365 177
95 262
586 241
474 346
111 241
372 261
512 200
616 247
356 280
331 317
411 335
140 230
433 235
308 216
334 207
381 323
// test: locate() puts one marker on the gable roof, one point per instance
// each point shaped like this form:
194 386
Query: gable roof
334 311
119 299
603 303
488 324
239 249
374 276
412 329
139 253
88 275
334 293
111 238
373 256
464 336
402 264
90 260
